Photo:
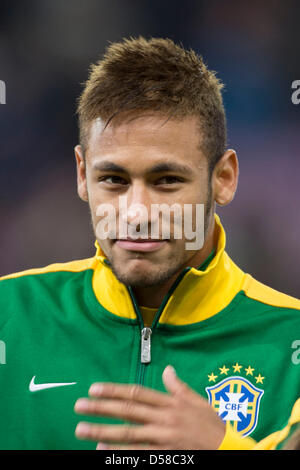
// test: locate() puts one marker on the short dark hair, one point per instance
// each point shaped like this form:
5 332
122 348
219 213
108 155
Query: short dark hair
140 75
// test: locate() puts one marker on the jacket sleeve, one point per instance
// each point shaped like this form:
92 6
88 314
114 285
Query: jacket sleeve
275 440
233 441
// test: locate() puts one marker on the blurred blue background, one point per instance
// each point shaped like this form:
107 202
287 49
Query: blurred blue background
46 47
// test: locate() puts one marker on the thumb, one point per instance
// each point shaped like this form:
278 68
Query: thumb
173 384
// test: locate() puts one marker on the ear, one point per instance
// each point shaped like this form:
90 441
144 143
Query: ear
81 173
225 178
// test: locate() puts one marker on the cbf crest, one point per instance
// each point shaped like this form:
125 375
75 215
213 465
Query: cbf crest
235 398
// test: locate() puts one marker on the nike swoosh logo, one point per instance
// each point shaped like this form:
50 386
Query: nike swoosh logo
36 387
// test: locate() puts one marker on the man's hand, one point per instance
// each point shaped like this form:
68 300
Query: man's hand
179 420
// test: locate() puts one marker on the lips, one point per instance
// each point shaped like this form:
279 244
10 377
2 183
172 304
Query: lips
145 245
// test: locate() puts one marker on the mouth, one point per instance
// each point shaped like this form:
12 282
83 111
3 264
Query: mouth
144 245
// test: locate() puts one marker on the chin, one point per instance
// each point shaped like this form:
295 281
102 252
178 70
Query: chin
136 278
139 274
136 281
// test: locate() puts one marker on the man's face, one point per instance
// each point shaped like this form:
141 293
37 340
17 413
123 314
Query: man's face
150 160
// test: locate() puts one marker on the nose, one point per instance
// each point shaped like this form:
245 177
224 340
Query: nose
135 206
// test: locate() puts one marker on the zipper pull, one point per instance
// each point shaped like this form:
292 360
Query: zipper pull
146 345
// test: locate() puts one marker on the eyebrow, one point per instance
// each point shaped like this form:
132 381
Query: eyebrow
107 165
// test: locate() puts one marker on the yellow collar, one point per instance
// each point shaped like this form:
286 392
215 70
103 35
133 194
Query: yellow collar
198 296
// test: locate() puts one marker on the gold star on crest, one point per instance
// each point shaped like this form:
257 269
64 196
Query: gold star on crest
259 379
249 370
237 368
224 370
212 377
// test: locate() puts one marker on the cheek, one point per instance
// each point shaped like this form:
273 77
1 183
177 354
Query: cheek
93 210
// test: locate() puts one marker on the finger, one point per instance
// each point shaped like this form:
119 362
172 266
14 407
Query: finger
102 446
123 409
176 386
122 433
132 392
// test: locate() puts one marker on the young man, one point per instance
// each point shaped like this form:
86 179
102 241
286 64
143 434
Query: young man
152 132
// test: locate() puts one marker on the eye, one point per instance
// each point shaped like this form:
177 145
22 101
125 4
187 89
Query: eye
112 180
169 180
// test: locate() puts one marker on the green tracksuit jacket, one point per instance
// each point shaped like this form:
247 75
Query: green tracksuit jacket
68 325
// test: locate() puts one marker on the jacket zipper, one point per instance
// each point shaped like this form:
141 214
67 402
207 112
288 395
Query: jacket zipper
146 332
146 345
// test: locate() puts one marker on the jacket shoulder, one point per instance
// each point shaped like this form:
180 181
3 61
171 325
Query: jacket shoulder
71 266
262 293
20 291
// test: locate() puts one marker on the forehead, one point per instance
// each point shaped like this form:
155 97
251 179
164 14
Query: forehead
153 136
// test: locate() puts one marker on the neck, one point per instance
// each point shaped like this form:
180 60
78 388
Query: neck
152 297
